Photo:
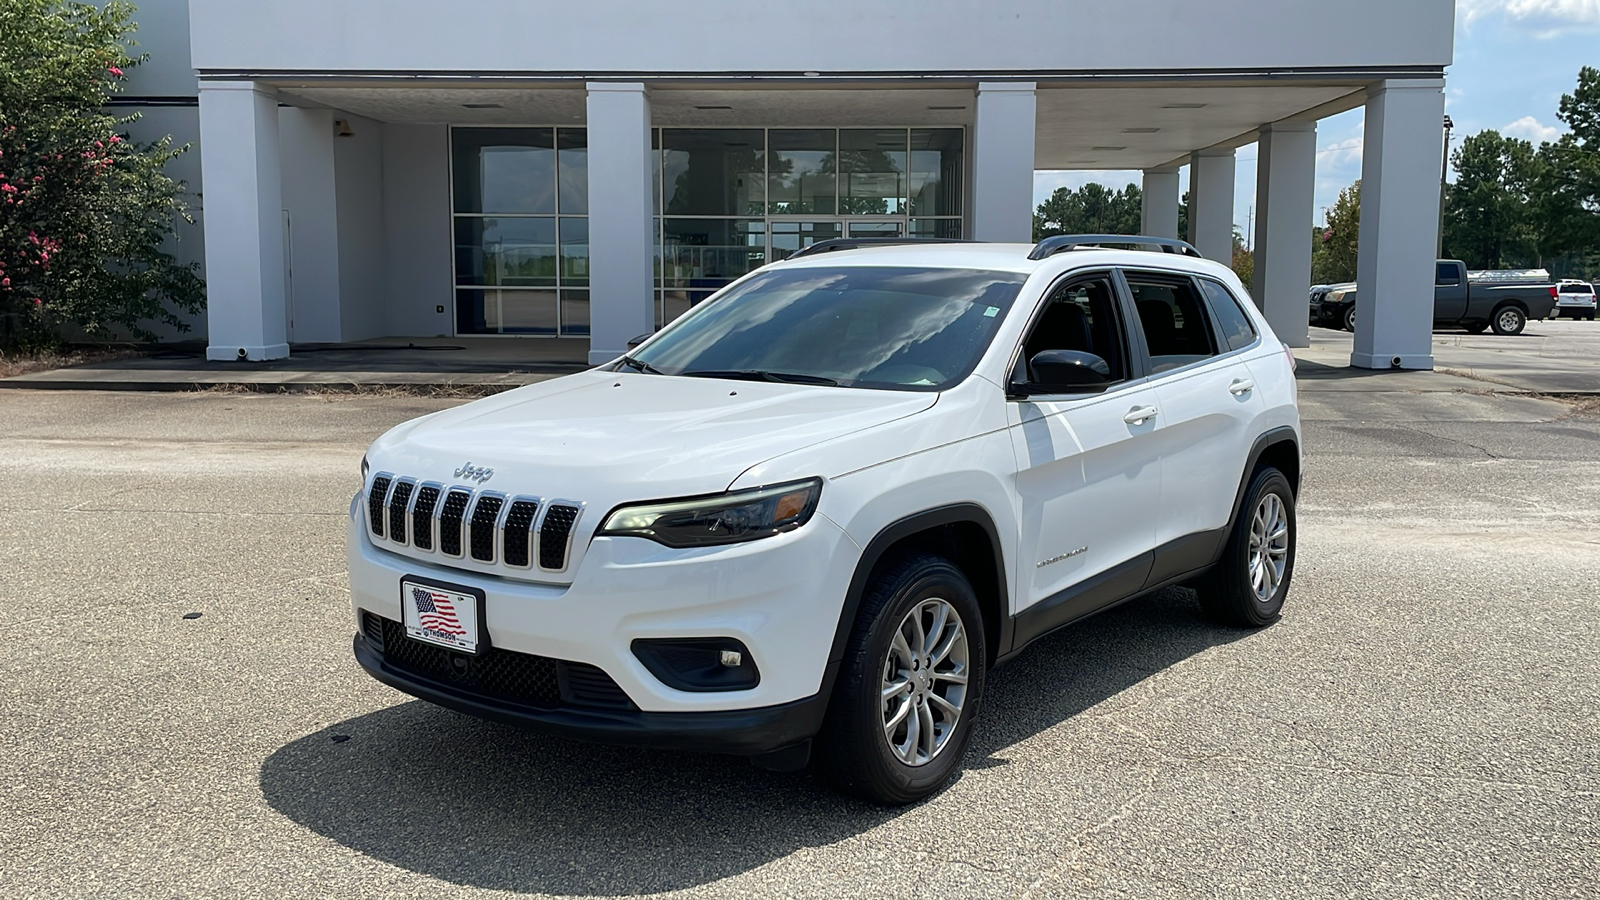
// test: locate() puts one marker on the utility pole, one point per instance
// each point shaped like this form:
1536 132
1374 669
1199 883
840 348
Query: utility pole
1444 184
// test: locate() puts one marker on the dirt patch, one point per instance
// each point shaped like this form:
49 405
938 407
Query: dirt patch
14 364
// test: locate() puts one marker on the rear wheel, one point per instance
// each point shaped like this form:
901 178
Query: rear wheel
1247 588
908 690
1508 320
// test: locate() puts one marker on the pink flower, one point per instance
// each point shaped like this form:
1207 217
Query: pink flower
8 188
114 70
116 139
5 282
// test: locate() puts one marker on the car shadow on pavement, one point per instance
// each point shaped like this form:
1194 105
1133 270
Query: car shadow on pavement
481 804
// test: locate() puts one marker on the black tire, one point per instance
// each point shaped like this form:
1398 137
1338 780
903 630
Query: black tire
1348 320
1228 592
1477 327
1508 320
853 750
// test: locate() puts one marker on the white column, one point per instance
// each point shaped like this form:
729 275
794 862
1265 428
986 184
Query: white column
244 221
1211 175
1399 224
621 230
1161 198
1286 175
1002 162
310 195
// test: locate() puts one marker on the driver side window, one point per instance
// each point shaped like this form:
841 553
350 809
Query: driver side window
1081 315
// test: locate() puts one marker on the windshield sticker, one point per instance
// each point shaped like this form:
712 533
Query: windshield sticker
990 312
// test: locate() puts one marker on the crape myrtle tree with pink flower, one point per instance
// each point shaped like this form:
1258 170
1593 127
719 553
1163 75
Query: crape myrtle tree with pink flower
88 218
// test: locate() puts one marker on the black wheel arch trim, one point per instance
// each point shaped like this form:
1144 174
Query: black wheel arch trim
1280 435
954 514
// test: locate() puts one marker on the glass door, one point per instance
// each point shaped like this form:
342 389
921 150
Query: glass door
789 237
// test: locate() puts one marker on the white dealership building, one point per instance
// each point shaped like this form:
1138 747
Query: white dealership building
587 171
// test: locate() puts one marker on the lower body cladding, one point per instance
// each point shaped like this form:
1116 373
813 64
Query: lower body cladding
717 649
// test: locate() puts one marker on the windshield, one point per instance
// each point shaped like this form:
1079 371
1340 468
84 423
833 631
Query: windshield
852 326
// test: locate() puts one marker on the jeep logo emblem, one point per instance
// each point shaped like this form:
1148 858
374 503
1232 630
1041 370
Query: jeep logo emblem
477 474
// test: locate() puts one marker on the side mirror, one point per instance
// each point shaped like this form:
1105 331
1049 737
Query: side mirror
638 339
1065 372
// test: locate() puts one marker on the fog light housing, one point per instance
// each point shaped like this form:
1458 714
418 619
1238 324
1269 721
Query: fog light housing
699 665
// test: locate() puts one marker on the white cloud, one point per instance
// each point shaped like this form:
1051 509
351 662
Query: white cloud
1531 129
1552 16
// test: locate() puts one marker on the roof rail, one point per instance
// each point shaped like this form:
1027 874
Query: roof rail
833 244
1052 245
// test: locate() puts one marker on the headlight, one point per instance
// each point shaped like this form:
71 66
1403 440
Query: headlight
1334 297
365 467
720 519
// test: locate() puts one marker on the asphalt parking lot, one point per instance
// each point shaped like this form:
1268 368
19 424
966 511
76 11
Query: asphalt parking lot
1421 723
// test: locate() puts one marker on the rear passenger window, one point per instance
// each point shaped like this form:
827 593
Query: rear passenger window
1231 318
1446 275
1174 320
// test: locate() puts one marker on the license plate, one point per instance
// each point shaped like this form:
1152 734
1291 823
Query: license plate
442 614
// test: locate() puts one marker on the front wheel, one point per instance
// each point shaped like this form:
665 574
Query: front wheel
1247 587
909 686
1477 327
1349 319
1509 320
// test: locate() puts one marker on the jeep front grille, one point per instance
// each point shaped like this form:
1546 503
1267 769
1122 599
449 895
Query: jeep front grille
486 527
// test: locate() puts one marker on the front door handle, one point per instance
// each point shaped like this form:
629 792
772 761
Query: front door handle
1241 387
1140 415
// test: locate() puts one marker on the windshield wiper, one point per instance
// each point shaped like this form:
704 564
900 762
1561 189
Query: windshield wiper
638 366
762 375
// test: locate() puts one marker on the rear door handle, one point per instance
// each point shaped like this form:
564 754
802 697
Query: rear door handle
1241 387
1140 415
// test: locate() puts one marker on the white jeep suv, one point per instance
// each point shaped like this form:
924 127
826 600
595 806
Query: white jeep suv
807 517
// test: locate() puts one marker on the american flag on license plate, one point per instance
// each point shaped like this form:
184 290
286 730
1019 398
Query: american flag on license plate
435 612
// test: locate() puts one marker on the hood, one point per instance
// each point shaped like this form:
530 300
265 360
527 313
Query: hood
609 437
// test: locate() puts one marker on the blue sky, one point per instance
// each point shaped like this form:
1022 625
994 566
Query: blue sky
1513 61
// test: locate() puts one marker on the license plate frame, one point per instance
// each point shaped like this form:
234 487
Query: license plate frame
466 612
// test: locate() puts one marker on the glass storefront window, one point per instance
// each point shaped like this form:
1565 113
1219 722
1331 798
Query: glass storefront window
504 170
701 256
802 171
713 172
506 311
872 171
505 251
936 161
574 251
572 168
574 313
936 228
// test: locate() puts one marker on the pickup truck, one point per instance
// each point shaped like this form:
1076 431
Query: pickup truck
1503 300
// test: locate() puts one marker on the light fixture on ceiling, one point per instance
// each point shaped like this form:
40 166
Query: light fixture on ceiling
483 106
812 74
713 106
1107 149
341 128
1184 106
1140 130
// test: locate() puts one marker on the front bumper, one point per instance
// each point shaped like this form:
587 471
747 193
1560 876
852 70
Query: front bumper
743 732
781 597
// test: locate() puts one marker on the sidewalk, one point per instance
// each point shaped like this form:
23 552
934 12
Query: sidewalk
388 362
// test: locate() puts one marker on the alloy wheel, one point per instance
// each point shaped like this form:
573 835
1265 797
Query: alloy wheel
1269 546
924 684
1509 320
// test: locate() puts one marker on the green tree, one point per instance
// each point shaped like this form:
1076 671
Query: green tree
1333 249
1567 194
1092 209
1489 219
86 216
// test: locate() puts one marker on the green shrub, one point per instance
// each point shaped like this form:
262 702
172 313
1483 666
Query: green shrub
87 217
